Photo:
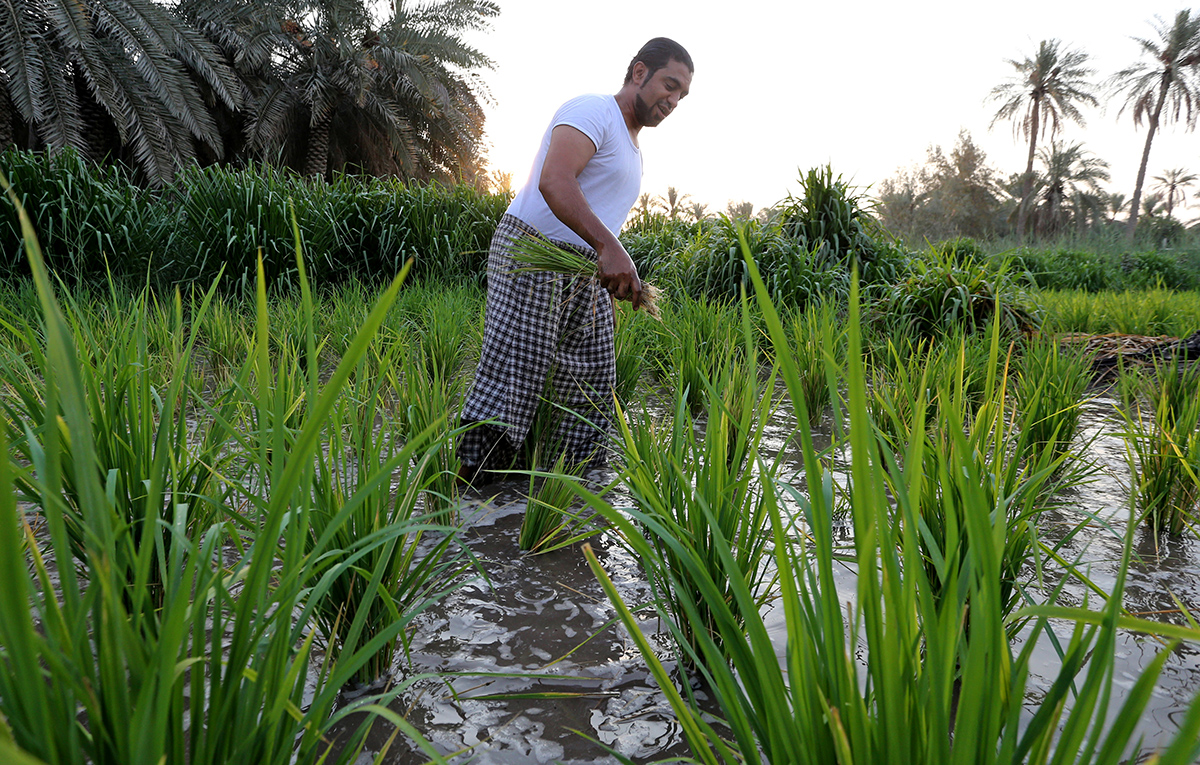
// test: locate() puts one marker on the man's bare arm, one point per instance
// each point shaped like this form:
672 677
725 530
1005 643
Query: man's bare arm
569 152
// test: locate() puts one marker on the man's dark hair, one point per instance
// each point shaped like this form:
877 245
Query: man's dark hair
658 53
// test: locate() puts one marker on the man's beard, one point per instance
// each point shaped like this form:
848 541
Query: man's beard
647 116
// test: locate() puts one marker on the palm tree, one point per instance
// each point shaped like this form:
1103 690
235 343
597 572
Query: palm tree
1168 78
1172 184
1071 172
1045 90
1114 204
101 75
330 87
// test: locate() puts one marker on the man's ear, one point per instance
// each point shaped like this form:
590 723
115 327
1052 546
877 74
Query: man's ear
639 72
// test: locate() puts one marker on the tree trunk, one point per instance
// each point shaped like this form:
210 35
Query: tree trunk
7 120
317 160
1027 187
1141 176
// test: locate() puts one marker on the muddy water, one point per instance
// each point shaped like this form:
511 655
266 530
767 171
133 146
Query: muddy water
540 625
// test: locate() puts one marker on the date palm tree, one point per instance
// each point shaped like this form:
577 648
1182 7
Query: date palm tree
1044 91
329 86
73 70
1163 85
1072 173
1172 184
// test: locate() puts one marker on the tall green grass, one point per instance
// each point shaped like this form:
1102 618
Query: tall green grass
223 668
708 490
892 676
1163 447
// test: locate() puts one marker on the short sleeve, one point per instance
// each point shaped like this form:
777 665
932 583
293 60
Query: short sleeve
588 115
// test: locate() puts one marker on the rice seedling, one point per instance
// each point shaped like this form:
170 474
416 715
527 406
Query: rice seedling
693 339
550 523
536 255
149 456
366 486
815 332
893 677
1163 449
429 404
223 670
707 490
1050 385
631 336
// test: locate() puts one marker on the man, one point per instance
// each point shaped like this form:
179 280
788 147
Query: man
546 337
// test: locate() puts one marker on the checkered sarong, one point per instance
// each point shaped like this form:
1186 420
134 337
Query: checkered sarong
545 335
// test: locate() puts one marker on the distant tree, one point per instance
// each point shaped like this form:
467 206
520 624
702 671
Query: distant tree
110 76
332 86
1152 205
949 196
672 203
1164 87
1172 184
1114 205
1044 91
1071 179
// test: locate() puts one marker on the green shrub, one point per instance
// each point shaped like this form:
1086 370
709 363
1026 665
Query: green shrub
941 295
712 266
89 219
829 218
1155 268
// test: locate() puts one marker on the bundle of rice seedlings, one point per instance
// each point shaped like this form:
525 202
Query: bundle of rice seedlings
534 254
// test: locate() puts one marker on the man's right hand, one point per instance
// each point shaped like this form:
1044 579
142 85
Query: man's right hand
618 274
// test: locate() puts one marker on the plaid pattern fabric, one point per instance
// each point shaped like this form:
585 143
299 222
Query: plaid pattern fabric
545 335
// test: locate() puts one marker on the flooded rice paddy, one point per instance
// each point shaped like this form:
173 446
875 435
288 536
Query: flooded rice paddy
528 667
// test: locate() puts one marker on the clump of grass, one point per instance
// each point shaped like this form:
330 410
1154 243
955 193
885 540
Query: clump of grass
222 669
815 334
1050 385
1163 448
549 522
694 338
366 512
535 254
708 491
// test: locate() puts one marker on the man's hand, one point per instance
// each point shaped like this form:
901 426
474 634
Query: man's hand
618 274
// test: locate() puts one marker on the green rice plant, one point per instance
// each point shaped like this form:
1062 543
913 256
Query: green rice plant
693 339
892 676
815 332
1131 387
223 670
1050 387
1162 448
146 453
708 490
1144 312
550 523
366 486
1068 311
631 338
428 404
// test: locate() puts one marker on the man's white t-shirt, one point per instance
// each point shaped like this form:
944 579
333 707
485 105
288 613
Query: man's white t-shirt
611 180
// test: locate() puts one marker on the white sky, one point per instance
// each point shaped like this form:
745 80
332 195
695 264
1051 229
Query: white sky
781 86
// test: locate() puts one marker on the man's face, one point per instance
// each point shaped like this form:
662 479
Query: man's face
658 94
